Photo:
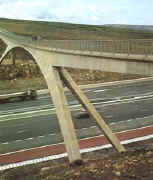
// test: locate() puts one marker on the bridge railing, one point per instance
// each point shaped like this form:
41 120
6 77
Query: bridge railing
144 47
138 46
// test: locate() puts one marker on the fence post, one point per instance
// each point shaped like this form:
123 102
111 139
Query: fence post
128 46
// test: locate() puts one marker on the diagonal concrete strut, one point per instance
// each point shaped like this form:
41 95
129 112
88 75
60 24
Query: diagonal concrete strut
91 109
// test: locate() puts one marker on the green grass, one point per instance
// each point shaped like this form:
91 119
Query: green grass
18 85
57 30
61 31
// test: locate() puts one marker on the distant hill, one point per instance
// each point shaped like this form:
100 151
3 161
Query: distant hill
58 30
132 27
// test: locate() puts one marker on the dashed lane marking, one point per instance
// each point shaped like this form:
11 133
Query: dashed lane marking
73 107
18 140
5 143
100 90
41 136
21 131
29 138
53 134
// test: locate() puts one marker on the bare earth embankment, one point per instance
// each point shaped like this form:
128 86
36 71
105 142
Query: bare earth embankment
23 76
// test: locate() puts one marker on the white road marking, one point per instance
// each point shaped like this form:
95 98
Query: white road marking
43 112
52 134
27 109
79 139
21 131
113 123
5 143
41 136
93 127
110 103
18 140
100 90
26 114
29 138
84 128
59 156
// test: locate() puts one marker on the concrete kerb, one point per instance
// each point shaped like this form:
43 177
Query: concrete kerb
46 91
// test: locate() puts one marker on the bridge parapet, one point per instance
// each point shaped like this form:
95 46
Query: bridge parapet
141 47
138 46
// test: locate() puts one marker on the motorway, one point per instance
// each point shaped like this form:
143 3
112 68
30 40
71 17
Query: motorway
31 124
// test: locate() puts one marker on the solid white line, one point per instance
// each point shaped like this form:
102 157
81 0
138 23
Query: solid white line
79 140
32 113
59 156
45 91
124 101
135 129
27 109
122 82
52 111
139 118
119 132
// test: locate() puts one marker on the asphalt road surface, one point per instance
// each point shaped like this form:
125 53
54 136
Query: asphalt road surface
29 124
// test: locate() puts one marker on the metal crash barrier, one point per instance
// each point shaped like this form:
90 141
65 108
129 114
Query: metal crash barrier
30 94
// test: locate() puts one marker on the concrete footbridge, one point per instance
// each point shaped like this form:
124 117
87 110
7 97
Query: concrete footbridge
125 56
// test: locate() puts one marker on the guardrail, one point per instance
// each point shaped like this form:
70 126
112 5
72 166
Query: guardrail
139 46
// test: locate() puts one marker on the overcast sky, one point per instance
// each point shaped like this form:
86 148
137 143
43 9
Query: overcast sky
80 11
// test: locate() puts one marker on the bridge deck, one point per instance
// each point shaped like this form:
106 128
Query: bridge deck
140 49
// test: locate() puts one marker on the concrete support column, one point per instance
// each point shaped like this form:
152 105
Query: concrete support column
91 110
63 113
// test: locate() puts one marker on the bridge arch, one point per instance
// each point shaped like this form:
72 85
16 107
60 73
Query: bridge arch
9 49
32 56
3 47
23 52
